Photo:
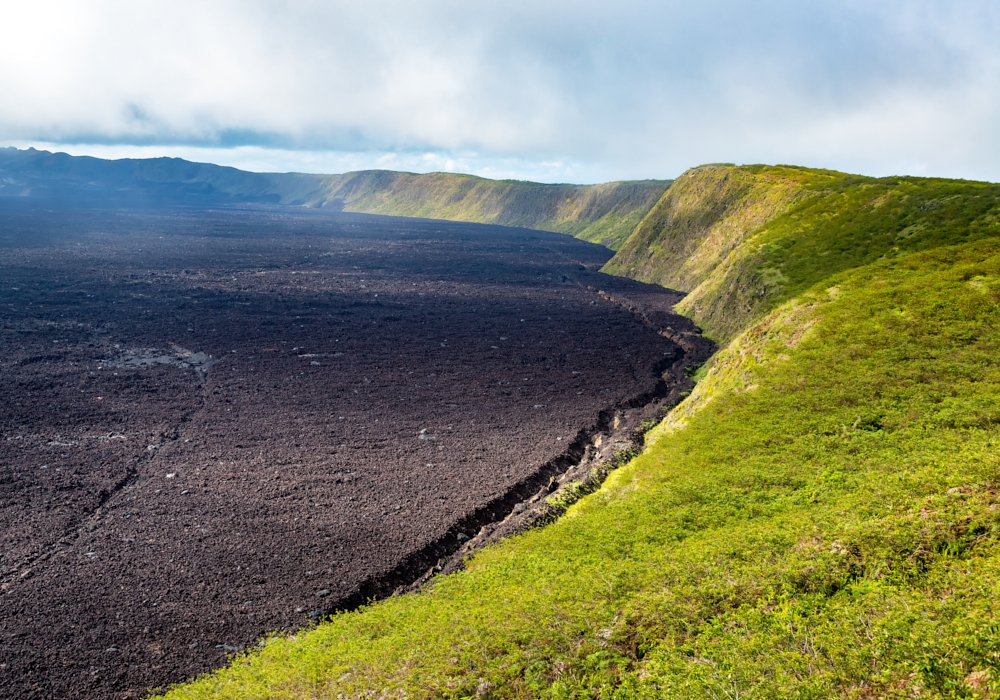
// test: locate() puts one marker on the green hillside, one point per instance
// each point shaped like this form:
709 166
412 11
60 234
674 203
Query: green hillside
743 239
604 214
819 518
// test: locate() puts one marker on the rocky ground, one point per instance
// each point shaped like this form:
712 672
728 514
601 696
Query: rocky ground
215 424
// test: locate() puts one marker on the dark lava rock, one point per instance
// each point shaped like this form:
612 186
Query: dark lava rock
280 364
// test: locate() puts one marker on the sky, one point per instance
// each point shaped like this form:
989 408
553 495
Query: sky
544 90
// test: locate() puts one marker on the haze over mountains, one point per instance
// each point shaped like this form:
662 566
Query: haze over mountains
605 213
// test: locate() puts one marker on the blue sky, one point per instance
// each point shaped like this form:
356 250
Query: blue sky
552 91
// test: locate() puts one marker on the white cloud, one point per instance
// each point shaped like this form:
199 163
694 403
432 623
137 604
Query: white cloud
543 89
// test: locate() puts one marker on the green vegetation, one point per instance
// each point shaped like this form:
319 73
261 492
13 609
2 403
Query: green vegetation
704 215
742 240
604 214
819 518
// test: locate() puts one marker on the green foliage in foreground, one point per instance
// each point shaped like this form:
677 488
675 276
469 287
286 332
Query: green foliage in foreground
821 518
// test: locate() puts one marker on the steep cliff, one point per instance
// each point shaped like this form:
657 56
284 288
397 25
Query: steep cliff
741 240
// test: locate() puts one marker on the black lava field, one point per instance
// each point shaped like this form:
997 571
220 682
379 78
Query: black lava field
215 424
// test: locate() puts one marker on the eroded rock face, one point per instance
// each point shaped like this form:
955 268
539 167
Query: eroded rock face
216 424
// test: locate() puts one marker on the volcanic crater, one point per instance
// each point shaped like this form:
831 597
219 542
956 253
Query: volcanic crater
220 423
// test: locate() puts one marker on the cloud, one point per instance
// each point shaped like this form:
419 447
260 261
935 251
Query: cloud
543 89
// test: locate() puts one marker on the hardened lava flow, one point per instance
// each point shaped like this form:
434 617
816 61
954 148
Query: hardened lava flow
216 424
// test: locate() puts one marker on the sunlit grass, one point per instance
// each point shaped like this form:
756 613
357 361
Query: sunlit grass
744 239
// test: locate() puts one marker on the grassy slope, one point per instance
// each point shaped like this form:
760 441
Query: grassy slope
820 518
604 213
599 213
759 235
707 213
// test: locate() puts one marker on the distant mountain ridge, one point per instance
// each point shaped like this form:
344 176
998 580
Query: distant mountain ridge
605 213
